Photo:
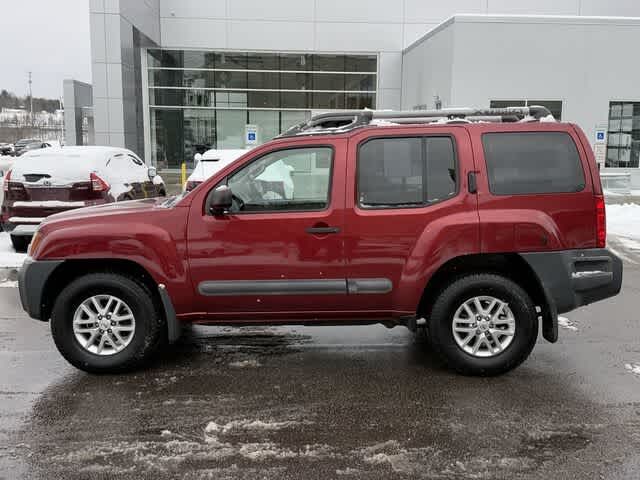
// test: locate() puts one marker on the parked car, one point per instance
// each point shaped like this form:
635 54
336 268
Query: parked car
6 149
19 146
209 163
476 231
5 165
33 146
53 180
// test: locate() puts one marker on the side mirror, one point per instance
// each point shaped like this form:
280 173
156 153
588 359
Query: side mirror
152 171
219 200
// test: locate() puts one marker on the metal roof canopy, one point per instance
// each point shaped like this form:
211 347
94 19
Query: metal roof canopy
344 121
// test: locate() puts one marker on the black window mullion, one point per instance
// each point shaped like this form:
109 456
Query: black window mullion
425 193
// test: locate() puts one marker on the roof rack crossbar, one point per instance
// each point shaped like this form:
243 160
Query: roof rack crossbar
343 121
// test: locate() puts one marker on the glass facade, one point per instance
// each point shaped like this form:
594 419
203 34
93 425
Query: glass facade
623 140
202 99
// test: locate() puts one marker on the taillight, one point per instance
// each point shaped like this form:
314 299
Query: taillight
35 242
98 184
601 222
7 178
191 184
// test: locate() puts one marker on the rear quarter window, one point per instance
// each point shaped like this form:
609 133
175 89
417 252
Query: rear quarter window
532 163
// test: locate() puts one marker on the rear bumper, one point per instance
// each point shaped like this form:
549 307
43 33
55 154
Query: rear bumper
22 218
21 229
32 278
573 278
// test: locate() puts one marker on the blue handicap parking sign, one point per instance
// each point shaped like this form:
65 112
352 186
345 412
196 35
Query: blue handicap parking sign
600 135
251 136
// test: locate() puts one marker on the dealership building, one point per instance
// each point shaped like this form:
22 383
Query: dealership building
174 76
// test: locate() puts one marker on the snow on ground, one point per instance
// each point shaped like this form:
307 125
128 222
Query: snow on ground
8 256
564 322
624 220
245 364
633 368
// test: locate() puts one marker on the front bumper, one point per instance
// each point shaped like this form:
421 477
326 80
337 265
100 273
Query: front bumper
32 279
573 278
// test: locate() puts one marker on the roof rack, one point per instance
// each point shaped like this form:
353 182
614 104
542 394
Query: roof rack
347 120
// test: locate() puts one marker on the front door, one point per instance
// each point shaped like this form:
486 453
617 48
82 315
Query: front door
278 252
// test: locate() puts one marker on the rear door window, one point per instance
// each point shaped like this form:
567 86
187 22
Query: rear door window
406 172
532 163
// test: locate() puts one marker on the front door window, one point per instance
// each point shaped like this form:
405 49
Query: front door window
286 180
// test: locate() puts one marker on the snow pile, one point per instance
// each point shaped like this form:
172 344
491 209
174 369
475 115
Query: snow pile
8 256
245 364
624 220
49 204
213 427
567 324
635 369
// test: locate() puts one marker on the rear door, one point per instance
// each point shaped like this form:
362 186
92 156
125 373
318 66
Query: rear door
407 211
535 189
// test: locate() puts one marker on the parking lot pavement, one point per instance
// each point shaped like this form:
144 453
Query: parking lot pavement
349 402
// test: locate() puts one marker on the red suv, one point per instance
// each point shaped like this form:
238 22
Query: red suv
476 225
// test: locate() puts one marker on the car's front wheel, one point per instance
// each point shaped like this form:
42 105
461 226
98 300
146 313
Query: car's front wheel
483 324
106 323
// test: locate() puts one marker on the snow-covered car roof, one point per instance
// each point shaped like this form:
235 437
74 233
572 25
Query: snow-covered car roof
89 153
72 164
213 161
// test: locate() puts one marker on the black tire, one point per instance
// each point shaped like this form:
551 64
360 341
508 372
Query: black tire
150 329
452 297
20 243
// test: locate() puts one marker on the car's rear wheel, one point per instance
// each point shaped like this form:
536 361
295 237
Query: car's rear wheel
20 243
107 323
483 324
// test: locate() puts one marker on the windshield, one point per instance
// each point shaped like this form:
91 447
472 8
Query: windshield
174 199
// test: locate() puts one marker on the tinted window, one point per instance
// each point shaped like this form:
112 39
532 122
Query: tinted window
390 172
295 179
441 168
521 163
403 172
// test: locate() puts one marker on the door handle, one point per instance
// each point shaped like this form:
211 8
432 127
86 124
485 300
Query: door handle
322 230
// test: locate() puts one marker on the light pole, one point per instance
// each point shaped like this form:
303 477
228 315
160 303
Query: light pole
31 102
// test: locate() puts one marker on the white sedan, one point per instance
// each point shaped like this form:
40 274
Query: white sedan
210 163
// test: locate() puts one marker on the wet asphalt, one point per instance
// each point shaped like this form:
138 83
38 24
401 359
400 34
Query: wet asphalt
327 402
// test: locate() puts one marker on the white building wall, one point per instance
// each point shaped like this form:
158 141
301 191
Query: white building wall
427 71
583 62
472 60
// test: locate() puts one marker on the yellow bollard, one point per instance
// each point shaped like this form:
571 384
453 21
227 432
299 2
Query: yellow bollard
183 175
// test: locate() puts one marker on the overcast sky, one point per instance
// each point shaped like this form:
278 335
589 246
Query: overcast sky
48 37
